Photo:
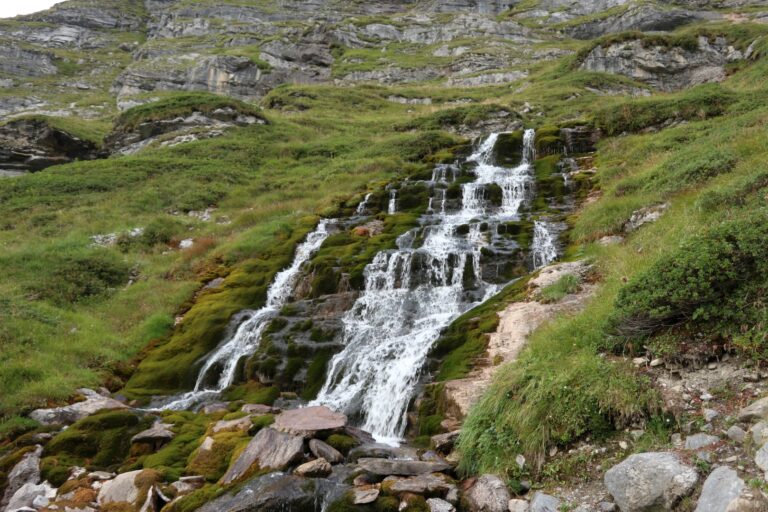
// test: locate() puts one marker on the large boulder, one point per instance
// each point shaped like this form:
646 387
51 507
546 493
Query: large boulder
386 467
309 421
26 471
665 67
269 449
31 496
135 488
647 482
489 494
93 403
275 492
724 491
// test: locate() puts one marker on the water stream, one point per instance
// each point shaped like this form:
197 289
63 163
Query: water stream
415 291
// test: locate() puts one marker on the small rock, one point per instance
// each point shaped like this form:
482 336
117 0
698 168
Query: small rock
637 434
755 411
259 409
677 439
156 437
544 503
238 425
325 451
94 402
657 362
623 445
317 468
365 496
518 506
520 461
444 442
214 408
438 505
710 415
698 441
606 506
639 361
706 397
736 434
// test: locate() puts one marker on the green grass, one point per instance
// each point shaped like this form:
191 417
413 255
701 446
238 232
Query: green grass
564 286
89 130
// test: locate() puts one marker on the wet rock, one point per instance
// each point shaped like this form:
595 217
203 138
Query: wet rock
699 441
645 216
423 484
317 468
438 505
270 493
488 494
325 451
154 438
443 443
663 67
69 414
756 411
544 503
364 496
309 421
26 471
268 449
386 467
648 481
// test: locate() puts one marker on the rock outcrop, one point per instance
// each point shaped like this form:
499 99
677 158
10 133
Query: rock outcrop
665 67
269 449
66 415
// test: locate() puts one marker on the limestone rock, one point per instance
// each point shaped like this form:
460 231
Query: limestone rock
438 505
544 503
239 425
26 471
443 443
317 468
699 441
268 449
69 414
31 495
721 488
365 496
645 216
386 467
156 437
518 506
325 451
134 488
665 68
755 411
309 421
430 484
648 481
489 494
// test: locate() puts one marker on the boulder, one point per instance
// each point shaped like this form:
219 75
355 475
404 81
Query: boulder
309 421
438 505
269 449
317 468
325 451
383 451
489 494
761 458
135 488
214 408
650 481
94 402
428 484
386 467
26 471
759 432
238 425
754 412
269 493
188 484
544 503
721 488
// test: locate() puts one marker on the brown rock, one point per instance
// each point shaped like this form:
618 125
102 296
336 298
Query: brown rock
259 409
325 451
269 449
309 421
365 496
386 467
317 468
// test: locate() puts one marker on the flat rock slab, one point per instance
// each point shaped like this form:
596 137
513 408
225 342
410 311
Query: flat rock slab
69 414
160 432
269 449
386 467
309 421
423 484
365 496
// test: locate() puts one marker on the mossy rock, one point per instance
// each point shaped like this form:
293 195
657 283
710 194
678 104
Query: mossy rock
342 442
508 150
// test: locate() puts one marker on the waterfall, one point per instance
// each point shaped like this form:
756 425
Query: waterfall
411 294
363 204
543 248
245 340
392 202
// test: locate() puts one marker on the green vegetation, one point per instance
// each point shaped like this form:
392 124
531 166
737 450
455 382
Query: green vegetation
555 292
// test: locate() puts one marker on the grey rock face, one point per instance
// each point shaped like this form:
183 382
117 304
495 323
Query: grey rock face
19 62
665 68
31 497
650 481
69 414
438 505
489 494
269 449
644 18
645 216
26 471
386 467
275 492
90 14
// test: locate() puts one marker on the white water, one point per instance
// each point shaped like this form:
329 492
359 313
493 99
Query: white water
543 248
363 204
392 202
411 294
245 340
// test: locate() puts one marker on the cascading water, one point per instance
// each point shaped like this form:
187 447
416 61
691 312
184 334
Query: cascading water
412 293
543 248
392 202
245 340
363 204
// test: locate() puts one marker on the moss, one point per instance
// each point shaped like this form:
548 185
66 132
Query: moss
509 148
101 441
171 460
316 372
341 442
253 393
213 463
